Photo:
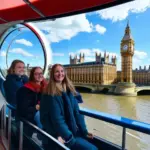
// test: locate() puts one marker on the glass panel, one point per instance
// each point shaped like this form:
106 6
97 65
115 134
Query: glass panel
21 44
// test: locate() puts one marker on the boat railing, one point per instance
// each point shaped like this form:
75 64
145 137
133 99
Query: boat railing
22 122
125 123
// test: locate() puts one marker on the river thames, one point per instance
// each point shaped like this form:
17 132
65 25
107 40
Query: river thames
137 108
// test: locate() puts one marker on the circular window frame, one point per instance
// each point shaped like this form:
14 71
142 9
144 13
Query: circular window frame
42 39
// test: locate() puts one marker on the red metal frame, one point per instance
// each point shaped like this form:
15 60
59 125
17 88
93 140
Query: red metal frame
12 10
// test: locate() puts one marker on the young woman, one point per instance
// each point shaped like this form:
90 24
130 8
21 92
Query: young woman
60 112
28 96
15 79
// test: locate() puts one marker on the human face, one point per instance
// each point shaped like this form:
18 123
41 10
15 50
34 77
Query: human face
38 75
19 69
59 74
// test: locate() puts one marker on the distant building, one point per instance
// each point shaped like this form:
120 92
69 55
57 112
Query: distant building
100 71
127 52
141 76
138 76
75 60
28 69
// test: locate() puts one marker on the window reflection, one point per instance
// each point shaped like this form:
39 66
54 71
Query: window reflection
21 44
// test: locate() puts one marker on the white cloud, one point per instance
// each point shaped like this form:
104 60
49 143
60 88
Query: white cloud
86 52
137 62
118 62
65 28
138 59
21 51
140 54
24 42
88 59
121 12
2 53
100 29
58 54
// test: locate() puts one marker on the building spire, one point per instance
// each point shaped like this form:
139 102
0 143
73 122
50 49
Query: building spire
127 31
128 23
105 54
127 35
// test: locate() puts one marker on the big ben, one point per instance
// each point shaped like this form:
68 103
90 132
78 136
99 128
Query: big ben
127 52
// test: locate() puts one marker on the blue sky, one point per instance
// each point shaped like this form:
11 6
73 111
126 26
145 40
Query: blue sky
23 45
87 33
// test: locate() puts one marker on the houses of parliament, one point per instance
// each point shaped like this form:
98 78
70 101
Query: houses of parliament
102 71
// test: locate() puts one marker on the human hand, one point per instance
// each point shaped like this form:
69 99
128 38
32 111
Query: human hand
37 107
90 135
61 140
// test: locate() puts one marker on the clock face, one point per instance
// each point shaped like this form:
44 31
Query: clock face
125 47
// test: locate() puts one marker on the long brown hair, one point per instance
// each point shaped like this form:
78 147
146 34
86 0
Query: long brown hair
54 89
13 65
31 77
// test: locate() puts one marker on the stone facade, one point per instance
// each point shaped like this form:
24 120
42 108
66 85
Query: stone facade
138 76
127 52
101 71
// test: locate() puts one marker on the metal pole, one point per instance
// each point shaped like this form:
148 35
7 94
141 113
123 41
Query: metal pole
9 130
123 138
10 46
4 113
20 135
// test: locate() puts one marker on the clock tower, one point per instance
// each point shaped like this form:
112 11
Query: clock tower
127 52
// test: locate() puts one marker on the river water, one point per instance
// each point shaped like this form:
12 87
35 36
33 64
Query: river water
137 108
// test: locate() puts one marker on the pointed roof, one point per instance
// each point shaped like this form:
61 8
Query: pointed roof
127 35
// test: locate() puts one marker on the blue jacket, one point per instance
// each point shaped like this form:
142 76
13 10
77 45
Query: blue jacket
11 85
79 98
53 117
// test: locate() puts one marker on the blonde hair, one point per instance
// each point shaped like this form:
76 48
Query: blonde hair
13 65
53 88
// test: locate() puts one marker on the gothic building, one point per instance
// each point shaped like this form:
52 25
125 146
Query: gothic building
127 52
138 76
100 71
28 69
141 76
75 60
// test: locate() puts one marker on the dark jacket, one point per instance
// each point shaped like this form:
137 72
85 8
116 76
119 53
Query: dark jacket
11 85
26 102
53 117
